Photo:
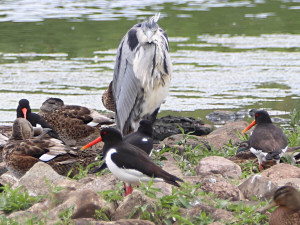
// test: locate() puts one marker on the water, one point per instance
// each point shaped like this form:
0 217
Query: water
229 55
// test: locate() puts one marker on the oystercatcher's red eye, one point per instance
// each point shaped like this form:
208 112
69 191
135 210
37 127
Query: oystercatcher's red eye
256 114
104 133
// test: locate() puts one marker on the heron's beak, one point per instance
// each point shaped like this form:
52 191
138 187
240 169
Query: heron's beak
92 143
247 128
149 35
24 110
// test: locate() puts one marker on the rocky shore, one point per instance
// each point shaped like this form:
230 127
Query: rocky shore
216 184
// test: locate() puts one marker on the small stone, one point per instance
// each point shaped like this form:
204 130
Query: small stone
258 186
218 165
8 178
218 185
131 203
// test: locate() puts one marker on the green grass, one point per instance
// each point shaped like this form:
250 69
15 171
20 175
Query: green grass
169 208
15 199
31 221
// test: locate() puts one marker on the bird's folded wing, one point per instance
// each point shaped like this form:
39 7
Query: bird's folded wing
125 83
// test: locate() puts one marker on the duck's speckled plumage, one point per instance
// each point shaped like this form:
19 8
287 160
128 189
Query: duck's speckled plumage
287 199
23 150
71 121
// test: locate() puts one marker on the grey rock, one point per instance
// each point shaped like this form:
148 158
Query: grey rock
294 182
34 179
218 165
216 214
167 126
281 171
220 137
218 185
131 203
99 183
217 138
2 168
84 204
8 178
222 116
258 186
178 141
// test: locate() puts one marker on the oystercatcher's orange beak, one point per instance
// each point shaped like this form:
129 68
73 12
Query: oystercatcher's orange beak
92 143
24 110
247 128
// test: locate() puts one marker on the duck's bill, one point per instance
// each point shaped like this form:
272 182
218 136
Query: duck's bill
24 110
99 139
247 128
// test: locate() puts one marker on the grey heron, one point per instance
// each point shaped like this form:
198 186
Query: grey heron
142 74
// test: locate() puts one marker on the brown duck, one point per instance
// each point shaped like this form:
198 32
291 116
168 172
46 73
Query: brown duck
108 98
287 199
22 151
76 125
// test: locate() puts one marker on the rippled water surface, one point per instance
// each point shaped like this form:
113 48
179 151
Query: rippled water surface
229 55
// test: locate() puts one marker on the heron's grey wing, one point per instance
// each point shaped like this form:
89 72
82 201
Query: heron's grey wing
127 98
125 83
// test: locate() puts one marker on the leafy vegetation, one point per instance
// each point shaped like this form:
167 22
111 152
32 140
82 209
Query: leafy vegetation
65 216
81 171
16 199
168 208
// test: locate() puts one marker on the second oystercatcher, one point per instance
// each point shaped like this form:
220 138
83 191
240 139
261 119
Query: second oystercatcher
24 111
267 141
142 138
129 163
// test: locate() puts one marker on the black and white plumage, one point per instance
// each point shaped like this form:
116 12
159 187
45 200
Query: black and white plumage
267 141
142 138
129 163
142 74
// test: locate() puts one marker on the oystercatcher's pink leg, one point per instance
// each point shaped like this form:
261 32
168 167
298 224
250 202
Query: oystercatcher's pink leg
260 167
128 190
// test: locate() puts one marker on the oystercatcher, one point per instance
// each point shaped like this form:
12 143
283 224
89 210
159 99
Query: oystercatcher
24 111
142 139
129 163
22 151
267 141
76 125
